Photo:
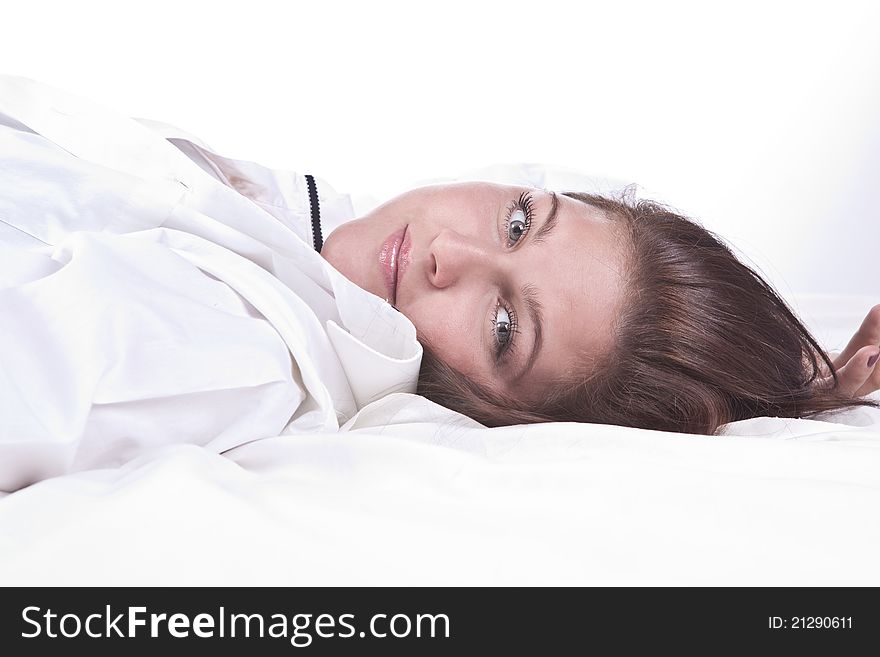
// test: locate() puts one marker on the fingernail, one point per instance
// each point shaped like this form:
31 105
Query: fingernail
872 360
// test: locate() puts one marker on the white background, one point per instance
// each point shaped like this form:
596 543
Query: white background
761 120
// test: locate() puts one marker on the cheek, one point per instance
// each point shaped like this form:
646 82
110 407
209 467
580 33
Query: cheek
449 328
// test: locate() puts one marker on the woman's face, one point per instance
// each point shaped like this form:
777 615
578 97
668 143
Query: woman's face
512 286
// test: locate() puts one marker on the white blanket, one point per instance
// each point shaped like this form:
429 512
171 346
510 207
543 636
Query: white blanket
412 494
144 301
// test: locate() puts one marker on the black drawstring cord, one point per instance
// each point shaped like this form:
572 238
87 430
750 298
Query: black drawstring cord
317 238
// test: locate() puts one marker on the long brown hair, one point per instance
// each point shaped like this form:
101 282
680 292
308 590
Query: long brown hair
701 340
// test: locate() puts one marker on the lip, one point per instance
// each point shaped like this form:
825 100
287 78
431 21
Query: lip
394 257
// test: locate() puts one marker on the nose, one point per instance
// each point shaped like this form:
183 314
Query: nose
453 256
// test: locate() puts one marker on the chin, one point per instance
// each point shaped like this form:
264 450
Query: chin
345 261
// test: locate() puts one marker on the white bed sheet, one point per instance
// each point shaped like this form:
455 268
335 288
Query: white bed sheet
413 494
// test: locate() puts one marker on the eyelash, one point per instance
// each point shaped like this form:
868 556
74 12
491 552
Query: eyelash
502 350
523 204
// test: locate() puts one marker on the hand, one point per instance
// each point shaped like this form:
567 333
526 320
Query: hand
856 378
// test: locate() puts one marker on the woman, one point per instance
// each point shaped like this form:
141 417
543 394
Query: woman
535 306
155 292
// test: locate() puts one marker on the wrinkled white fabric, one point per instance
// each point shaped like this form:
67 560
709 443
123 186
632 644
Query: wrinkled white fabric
432 498
154 292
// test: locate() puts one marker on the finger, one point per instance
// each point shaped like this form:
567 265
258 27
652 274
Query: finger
867 335
856 373
872 383
824 382
867 389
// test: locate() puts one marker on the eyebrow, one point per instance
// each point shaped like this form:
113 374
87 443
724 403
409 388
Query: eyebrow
530 297
551 220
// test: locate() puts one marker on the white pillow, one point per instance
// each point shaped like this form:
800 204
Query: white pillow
541 176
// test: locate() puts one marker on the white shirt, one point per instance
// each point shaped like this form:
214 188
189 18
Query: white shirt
154 292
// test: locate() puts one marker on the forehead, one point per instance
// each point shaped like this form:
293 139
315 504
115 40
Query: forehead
579 272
